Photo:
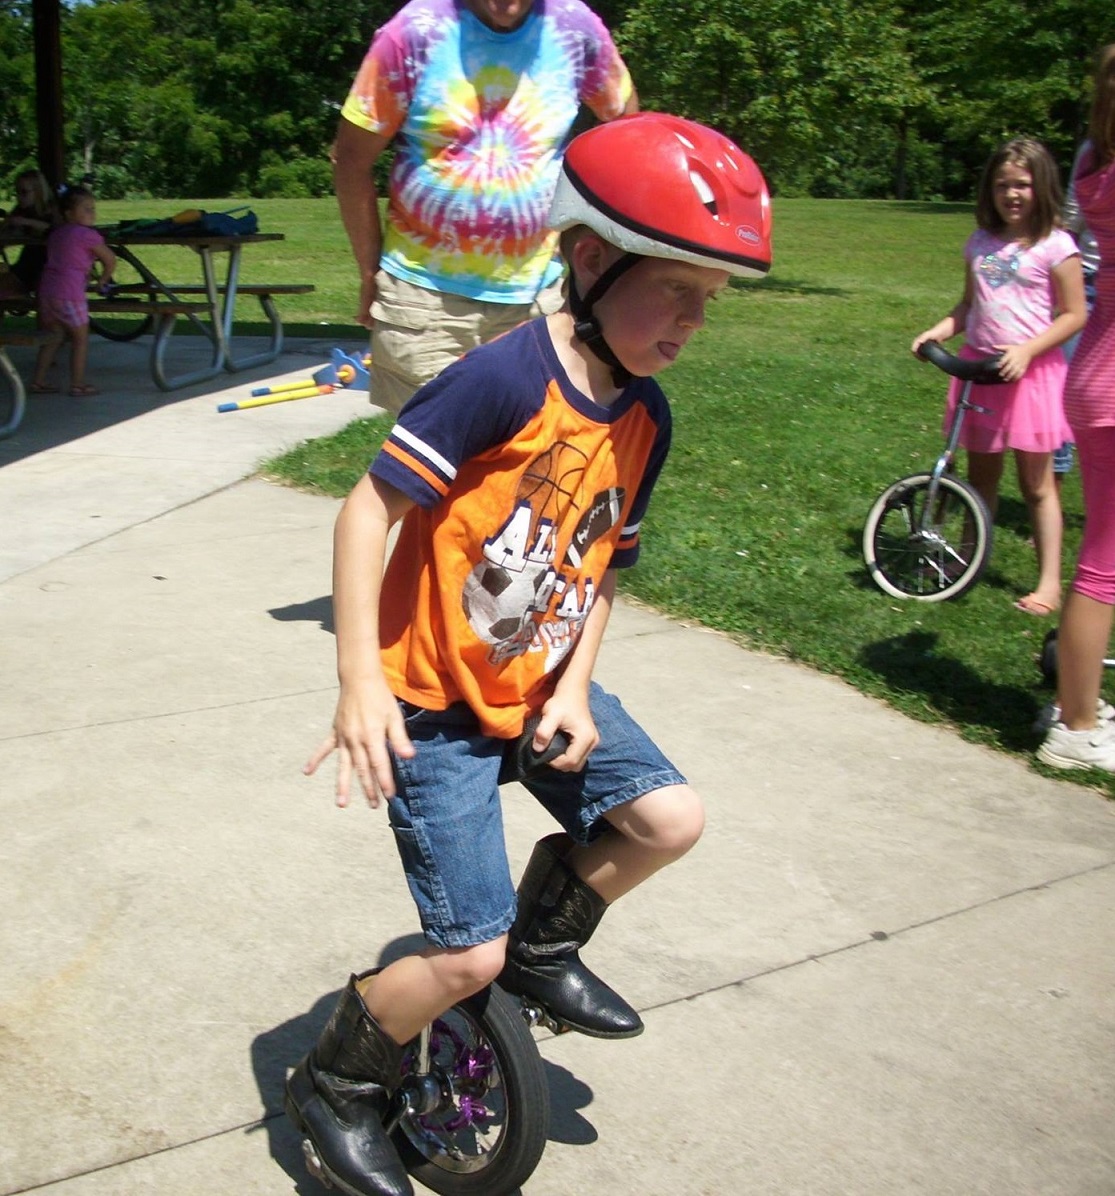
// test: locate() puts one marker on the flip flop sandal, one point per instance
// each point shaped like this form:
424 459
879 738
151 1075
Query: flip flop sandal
1030 605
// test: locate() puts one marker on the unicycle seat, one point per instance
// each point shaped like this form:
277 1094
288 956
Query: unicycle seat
983 371
520 759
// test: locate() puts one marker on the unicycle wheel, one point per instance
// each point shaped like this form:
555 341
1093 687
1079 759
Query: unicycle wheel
925 545
128 282
487 1131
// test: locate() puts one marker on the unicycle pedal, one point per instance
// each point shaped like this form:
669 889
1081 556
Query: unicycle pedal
536 1014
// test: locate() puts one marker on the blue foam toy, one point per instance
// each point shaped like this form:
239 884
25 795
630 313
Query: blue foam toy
329 375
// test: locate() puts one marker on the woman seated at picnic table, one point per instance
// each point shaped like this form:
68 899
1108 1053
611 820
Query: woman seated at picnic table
35 214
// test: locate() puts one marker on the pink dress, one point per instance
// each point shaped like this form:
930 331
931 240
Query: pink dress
1013 298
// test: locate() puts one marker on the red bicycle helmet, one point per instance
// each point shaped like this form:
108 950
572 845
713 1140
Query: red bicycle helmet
662 186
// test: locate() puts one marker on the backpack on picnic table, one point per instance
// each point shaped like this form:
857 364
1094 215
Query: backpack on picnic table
193 222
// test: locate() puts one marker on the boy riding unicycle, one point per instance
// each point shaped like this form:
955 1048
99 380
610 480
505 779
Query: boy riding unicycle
519 478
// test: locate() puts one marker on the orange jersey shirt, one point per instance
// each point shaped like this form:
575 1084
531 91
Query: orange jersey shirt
527 492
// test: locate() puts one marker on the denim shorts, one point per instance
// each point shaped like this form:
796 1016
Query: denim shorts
448 822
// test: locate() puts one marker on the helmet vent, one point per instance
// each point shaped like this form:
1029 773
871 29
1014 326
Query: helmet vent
704 191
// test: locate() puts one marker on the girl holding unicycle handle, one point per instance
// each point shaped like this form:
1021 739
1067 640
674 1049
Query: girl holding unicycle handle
1023 297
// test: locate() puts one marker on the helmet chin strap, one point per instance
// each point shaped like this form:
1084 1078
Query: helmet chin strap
586 327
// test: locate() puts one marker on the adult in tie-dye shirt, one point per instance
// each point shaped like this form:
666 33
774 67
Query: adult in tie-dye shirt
478 98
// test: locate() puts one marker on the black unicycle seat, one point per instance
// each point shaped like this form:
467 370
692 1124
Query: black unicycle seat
519 757
983 371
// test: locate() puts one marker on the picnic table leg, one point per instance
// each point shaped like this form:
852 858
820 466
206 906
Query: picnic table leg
164 323
232 364
213 331
19 395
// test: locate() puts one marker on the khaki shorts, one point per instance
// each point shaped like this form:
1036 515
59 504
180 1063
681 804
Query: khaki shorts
418 332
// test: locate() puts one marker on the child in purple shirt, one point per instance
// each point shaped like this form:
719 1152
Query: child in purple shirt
72 248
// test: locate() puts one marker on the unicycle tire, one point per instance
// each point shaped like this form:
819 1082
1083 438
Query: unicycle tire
127 326
927 556
490 1129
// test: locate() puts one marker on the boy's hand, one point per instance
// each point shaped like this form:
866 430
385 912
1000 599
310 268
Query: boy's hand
575 720
367 727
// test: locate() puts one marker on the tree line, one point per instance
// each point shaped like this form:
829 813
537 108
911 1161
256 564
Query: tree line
834 98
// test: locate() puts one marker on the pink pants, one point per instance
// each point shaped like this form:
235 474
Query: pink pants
1095 566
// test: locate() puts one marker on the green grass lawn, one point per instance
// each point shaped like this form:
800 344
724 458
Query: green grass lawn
794 408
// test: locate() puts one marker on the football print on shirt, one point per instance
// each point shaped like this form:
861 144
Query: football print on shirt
518 598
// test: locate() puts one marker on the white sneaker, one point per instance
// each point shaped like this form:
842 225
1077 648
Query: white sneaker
1063 748
1051 714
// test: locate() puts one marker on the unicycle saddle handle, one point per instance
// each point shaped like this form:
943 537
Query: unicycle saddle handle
984 371
519 757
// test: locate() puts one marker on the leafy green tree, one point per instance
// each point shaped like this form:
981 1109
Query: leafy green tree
18 138
271 73
818 92
997 70
113 63
879 98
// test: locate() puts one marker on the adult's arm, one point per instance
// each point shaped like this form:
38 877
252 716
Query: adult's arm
354 153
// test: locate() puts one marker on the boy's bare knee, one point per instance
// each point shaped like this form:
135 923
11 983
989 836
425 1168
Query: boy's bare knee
466 970
682 832
668 821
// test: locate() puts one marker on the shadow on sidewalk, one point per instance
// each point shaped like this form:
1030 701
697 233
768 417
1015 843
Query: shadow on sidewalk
316 610
122 372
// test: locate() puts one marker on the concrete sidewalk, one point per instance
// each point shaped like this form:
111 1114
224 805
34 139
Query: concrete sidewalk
887 968
78 470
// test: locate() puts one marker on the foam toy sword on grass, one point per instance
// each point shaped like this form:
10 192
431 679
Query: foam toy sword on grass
343 372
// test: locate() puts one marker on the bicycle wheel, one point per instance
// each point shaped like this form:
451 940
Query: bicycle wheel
122 326
489 1128
927 555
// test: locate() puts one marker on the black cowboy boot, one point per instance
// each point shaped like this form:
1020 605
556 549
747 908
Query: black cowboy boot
556 917
339 1095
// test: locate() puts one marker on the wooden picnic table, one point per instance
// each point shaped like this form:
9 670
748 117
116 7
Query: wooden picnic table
209 304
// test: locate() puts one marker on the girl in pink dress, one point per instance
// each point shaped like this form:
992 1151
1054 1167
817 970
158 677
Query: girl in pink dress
1023 297
71 250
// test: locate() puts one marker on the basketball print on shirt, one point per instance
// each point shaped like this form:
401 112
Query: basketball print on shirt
519 598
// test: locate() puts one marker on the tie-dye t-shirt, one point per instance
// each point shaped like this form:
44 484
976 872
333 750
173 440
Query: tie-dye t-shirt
480 120
527 493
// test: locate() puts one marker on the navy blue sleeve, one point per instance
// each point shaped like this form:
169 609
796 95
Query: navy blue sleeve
480 401
627 552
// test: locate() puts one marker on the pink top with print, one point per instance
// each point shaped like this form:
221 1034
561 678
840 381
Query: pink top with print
1013 296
